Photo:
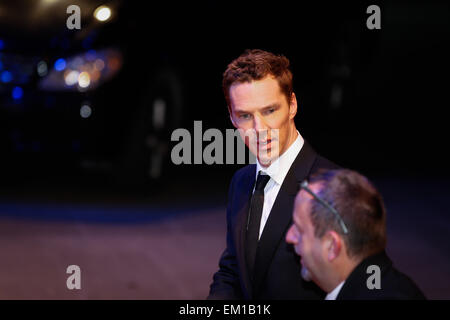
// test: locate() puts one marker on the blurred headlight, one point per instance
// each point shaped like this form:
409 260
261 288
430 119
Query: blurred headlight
82 72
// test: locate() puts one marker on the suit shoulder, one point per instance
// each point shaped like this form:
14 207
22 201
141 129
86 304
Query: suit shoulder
393 284
402 286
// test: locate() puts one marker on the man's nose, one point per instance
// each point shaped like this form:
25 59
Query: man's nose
290 236
259 124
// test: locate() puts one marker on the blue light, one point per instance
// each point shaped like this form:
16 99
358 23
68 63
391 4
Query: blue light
17 93
91 55
60 64
2 44
6 76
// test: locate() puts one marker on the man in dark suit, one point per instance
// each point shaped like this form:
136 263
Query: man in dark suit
339 231
257 263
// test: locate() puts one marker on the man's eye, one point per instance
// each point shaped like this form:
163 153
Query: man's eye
269 111
244 116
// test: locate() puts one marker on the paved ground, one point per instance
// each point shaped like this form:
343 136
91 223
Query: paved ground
169 249
168 258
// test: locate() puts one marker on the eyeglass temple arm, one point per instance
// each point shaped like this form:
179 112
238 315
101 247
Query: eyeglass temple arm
304 185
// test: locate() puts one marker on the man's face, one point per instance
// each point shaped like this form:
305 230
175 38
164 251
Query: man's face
264 115
301 235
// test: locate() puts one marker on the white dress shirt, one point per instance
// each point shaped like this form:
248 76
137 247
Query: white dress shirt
277 172
333 294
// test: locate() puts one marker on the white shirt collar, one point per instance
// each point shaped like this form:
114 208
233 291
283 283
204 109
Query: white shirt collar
280 167
334 293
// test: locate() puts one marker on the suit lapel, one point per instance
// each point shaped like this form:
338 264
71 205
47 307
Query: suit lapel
281 214
243 203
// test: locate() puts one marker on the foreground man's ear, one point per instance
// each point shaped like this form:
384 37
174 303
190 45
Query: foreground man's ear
333 243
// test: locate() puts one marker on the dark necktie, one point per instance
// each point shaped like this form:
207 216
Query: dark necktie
254 220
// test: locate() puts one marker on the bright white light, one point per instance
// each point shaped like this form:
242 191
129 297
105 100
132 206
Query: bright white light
71 77
102 13
84 80
85 111
42 68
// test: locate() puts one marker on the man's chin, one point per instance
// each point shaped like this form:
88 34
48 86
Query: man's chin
265 162
266 159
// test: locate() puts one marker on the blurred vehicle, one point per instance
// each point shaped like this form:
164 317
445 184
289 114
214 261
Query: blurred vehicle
87 100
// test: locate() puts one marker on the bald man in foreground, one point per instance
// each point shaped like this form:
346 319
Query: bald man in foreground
339 231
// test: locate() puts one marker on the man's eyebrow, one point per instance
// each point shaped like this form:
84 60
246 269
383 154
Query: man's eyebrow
270 106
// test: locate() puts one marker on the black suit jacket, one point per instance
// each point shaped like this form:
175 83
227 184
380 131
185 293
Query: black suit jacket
394 284
277 268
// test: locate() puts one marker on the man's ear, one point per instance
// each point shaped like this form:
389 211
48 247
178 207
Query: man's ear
333 245
293 106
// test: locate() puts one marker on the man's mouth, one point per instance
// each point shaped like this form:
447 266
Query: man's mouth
265 143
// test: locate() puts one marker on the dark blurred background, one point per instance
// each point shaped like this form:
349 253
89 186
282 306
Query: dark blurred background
86 118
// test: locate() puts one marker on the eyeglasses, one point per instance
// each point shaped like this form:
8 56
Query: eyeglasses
304 186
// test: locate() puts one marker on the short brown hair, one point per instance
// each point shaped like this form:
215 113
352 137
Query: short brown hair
360 205
256 64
